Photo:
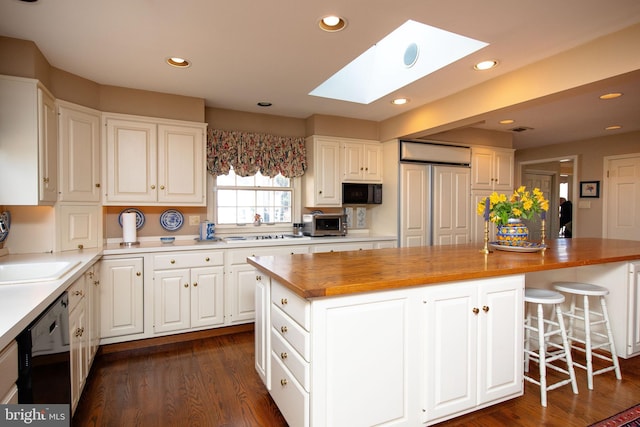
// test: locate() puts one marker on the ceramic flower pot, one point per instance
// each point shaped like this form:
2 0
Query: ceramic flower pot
513 234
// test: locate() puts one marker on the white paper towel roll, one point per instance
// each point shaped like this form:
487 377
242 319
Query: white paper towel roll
129 227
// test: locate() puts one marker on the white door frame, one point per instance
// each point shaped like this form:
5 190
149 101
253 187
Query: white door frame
574 187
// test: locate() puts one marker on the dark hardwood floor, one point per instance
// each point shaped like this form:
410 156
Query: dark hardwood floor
212 382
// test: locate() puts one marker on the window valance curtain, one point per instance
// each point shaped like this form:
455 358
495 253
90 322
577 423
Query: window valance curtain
249 153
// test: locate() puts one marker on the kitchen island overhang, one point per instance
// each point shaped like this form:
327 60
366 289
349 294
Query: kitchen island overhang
421 335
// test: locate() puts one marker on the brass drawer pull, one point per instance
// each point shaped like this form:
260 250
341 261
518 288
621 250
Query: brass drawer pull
284 301
283 382
485 308
283 355
283 329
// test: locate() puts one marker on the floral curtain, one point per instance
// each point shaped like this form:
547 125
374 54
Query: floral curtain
249 153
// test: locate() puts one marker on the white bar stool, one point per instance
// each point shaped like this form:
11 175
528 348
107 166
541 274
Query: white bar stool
587 290
545 329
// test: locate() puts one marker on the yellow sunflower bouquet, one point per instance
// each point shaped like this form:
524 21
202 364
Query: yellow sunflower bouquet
521 204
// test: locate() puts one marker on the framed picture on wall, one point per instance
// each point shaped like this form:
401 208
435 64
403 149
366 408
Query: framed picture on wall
589 189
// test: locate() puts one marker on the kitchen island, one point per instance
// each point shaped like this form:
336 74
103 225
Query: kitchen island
412 336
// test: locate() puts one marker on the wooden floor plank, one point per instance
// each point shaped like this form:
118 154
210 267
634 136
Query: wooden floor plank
211 382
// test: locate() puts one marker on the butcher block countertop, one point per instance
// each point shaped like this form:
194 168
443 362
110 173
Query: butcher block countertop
343 273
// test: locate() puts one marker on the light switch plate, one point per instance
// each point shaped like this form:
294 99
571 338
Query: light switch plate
194 220
584 204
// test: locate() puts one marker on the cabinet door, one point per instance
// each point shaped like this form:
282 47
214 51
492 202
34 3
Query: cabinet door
171 300
450 349
181 177
92 286
633 311
79 154
78 351
241 296
327 190
262 332
451 210
372 154
482 169
78 226
48 147
121 297
131 159
503 170
352 161
415 215
500 338
207 296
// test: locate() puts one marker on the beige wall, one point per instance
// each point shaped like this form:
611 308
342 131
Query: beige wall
475 136
219 118
591 154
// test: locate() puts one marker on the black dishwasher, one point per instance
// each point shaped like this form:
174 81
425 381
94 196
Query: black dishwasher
44 368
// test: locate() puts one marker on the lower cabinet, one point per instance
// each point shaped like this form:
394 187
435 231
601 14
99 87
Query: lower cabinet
121 296
9 374
401 357
191 297
472 351
84 329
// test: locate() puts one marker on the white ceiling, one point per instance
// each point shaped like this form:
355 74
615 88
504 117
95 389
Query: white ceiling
246 51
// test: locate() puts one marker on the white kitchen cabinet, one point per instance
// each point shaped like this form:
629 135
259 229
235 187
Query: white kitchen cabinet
262 329
9 374
28 142
121 296
361 161
341 247
472 345
79 226
79 141
492 169
153 161
188 291
322 183
241 280
92 286
78 338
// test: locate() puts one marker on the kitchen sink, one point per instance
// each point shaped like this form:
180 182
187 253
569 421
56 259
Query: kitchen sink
263 238
34 272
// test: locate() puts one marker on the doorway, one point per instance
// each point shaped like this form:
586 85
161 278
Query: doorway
621 201
550 175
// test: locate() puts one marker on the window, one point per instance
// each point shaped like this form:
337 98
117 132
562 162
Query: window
238 199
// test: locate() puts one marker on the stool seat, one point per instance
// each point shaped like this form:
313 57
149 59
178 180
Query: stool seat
581 288
542 296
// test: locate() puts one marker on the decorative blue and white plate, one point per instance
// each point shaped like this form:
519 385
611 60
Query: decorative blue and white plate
139 217
171 219
527 247
6 218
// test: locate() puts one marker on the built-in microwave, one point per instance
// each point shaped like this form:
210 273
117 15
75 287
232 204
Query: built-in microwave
324 225
361 194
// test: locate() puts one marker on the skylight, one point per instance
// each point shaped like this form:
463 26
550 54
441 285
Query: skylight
407 54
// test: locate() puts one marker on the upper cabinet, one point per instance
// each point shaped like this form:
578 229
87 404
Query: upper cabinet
154 161
28 142
361 161
322 178
332 161
492 169
79 153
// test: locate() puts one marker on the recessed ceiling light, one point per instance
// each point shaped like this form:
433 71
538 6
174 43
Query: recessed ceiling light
506 121
612 95
264 104
332 23
485 65
614 127
176 61
400 101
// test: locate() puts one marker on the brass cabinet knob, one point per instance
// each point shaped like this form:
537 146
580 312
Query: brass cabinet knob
207 259
173 261
78 293
485 308
186 285
153 187
45 180
283 355
475 310
80 246
138 274
98 185
258 277
195 284
284 301
283 329
283 382
162 187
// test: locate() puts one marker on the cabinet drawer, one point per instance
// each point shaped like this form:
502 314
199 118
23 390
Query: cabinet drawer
187 260
298 367
76 292
293 333
239 256
290 397
296 307
8 367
